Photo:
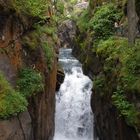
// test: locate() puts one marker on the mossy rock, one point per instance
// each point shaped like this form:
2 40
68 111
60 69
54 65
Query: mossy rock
121 68
11 101
30 82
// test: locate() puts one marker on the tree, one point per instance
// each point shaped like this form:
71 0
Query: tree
132 21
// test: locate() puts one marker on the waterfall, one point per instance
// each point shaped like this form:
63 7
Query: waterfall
73 119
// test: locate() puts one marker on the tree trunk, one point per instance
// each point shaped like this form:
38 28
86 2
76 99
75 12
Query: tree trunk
92 6
132 21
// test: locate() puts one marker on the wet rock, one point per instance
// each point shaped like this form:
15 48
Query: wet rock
108 124
67 31
60 78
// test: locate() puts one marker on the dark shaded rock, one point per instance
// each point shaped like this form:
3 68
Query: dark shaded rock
42 108
8 69
17 128
60 78
138 12
66 33
108 124
107 121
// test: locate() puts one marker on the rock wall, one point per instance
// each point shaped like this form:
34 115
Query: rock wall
37 123
108 124
67 33
18 128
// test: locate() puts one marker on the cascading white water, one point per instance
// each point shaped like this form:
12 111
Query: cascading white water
74 119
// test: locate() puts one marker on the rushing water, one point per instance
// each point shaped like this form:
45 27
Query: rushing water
73 119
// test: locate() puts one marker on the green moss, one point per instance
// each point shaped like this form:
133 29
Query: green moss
11 102
30 82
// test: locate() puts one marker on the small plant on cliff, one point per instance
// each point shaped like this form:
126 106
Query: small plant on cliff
30 82
127 109
11 102
99 82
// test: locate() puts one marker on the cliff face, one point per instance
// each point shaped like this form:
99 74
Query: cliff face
17 128
67 33
108 124
37 123
42 108
113 66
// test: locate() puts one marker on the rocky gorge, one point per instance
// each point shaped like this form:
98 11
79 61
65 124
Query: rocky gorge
30 76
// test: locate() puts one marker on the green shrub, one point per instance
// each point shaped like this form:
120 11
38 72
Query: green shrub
113 48
103 21
30 82
83 21
35 8
127 109
99 82
11 102
121 60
